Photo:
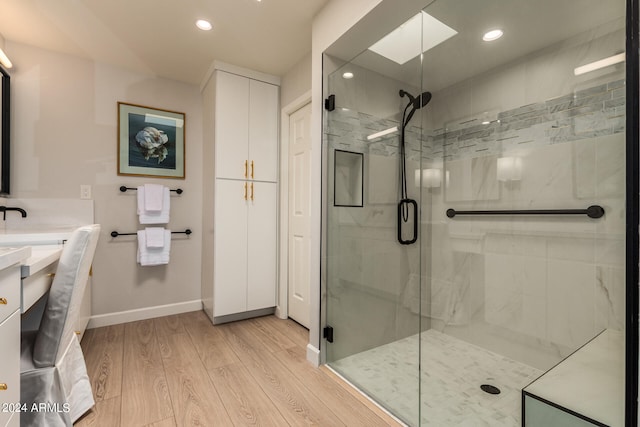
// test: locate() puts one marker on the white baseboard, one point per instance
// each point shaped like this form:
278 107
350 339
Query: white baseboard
143 313
280 314
313 355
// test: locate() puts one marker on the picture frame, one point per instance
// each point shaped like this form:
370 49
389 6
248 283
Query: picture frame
151 142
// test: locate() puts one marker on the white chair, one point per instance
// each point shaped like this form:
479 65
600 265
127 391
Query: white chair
53 371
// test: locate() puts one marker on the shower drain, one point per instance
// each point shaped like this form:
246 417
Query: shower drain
491 389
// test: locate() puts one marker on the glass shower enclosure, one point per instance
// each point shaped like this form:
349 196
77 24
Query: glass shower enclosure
474 211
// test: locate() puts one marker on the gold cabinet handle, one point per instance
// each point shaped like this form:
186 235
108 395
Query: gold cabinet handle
252 191
246 162
251 169
78 333
51 275
3 301
3 387
245 191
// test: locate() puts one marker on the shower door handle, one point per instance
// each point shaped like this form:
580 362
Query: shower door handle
405 203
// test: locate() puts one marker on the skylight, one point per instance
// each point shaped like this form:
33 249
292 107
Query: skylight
404 43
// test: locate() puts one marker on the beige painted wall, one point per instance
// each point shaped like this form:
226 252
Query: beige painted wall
296 82
64 133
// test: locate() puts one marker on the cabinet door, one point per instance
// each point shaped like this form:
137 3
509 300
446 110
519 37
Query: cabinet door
10 365
231 125
262 226
9 291
263 131
230 248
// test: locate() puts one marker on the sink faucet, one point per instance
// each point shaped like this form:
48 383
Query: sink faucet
4 210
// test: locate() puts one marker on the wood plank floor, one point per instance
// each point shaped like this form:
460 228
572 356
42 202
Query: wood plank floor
182 371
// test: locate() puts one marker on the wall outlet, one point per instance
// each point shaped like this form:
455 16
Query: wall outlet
85 191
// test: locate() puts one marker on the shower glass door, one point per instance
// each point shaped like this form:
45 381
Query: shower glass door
529 121
506 150
372 214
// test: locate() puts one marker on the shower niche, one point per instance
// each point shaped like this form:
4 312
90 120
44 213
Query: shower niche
348 179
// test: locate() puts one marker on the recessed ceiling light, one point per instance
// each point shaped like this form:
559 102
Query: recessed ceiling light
492 35
203 25
347 75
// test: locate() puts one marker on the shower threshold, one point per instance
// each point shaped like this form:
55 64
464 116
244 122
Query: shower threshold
453 372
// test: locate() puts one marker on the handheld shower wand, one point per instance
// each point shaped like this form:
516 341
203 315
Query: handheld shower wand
415 103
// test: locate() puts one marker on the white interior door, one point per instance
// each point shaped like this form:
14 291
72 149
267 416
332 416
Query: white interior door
299 237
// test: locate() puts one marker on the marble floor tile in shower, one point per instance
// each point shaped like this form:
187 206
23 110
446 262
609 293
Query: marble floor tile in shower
452 373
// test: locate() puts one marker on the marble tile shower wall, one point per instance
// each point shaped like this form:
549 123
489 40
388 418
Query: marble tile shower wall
348 130
554 281
364 251
550 284
585 114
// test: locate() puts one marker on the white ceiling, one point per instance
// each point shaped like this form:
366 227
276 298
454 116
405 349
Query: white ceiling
159 36
529 27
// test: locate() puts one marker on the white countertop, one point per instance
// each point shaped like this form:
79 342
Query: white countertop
47 236
10 255
590 381
41 257
46 245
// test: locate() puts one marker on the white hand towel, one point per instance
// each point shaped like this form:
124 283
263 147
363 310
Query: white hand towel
154 237
153 197
140 196
153 256
159 217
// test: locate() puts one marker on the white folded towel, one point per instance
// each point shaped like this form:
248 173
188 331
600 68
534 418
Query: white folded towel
153 197
154 217
154 237
153 256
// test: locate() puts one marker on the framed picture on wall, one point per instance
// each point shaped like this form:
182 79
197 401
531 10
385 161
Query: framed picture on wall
150 142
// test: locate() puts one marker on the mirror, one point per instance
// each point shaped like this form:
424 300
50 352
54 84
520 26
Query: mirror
5 131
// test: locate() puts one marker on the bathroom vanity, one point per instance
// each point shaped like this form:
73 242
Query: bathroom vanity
28 262
10 311
38 270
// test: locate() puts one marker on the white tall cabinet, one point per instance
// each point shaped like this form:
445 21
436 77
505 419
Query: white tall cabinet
241 110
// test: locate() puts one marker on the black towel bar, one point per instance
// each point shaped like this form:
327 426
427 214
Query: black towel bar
594 211
124 188
116 234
